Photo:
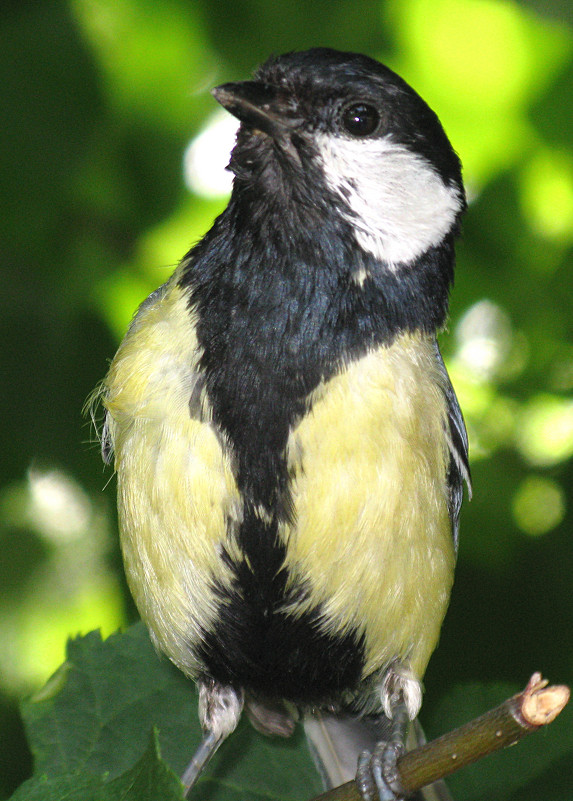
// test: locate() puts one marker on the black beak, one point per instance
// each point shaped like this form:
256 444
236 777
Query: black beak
259 106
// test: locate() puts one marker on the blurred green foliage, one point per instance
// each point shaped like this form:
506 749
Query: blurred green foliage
117 723
99 102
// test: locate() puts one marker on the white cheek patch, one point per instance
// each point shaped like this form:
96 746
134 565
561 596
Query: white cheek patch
397 203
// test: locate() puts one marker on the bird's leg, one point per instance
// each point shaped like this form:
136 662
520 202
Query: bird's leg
202 755
377 775
220 708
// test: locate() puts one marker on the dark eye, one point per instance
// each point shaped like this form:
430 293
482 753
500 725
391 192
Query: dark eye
360 119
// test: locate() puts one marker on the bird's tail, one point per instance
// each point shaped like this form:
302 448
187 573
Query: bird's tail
337 741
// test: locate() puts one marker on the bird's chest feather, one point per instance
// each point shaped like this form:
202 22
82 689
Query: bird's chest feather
371 531
330 572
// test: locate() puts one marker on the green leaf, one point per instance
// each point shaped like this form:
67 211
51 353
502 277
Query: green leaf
148 780
89 730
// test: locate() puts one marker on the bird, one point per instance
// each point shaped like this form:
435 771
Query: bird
289 450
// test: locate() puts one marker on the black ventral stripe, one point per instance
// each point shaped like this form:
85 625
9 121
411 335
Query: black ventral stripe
280 656
275 317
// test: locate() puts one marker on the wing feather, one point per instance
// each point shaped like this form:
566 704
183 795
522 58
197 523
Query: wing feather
456 434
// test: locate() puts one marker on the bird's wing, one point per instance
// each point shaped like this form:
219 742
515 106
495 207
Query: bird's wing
459 468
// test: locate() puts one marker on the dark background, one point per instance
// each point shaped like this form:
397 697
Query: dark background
99 100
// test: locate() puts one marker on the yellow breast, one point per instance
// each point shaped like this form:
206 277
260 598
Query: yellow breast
177 495
371 533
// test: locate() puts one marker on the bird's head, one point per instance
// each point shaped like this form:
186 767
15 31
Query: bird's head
338 133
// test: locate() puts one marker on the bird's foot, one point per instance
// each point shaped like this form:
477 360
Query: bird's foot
377 775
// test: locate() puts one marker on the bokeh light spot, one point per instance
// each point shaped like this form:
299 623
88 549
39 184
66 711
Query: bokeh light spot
547 195
497 71
538 505
545 430
207 156
486 343
58 506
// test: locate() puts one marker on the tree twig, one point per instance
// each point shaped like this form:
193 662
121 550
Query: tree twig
536 706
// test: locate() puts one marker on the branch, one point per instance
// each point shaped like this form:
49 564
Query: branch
505 725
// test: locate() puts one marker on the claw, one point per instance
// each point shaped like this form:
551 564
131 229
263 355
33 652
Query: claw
364 778
377 775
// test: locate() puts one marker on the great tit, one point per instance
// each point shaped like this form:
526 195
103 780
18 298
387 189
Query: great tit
289 450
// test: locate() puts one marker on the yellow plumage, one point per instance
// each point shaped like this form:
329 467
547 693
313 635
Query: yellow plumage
371 536
372 530
175 483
